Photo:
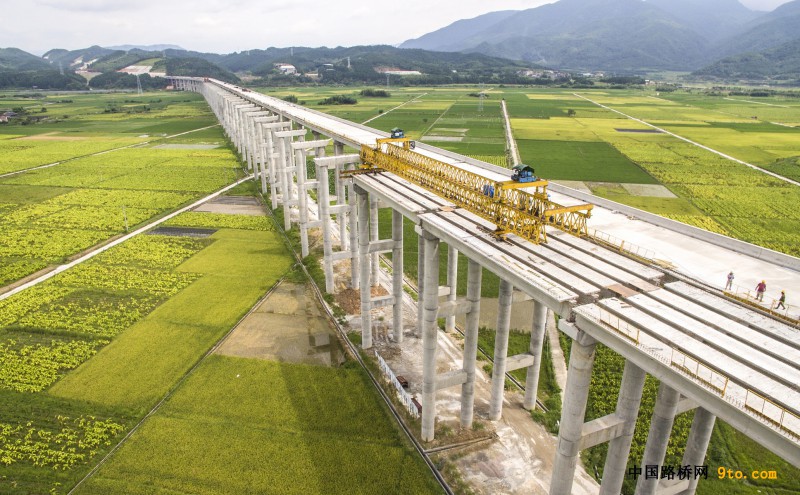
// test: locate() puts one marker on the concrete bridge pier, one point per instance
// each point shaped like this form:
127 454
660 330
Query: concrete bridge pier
226 110
658 437
620 426
260 147
576 395
452 284
274 165
325 209
370 246
474 275
373 237
501 349
323 202
355 269
420 282
341 200
249 136
230 118
301 148
540 314
363 260
429 301
697 444
287 171
240 123
397 275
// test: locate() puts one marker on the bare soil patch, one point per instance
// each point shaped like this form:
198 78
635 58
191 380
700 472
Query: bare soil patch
350 299
51 136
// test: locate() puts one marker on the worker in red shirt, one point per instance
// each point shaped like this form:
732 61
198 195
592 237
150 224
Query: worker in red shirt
760 290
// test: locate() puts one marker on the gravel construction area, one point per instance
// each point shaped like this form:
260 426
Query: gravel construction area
287 326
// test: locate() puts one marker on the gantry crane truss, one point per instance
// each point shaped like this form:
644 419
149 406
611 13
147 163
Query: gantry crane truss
512 209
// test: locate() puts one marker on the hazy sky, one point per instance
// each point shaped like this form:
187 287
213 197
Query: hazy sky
224 26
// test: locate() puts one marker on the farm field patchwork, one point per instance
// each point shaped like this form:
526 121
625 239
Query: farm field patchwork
117 297
159 322
88 200
245 425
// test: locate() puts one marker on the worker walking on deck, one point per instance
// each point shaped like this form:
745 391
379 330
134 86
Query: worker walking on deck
760 290
729 285
781 301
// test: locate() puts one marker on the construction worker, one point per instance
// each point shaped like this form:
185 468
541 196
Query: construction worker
729 285
760 290
781 301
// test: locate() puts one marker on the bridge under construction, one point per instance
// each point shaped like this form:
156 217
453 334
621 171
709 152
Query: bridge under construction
711 353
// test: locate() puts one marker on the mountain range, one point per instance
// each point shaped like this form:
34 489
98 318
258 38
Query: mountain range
621 35
717 39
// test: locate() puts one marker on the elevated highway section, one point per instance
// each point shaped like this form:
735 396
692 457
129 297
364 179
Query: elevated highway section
711 354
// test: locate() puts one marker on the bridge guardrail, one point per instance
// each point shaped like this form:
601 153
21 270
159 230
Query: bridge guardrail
773 413
647 255
745 398
700 371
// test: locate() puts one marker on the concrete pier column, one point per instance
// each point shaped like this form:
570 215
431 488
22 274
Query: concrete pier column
339 190
628 401
354 259
658 437
283 166
273 167
325 218
373 236
452 282
397 275
262 154
420 281
540 314
302 200
501 349
288 171
697 444
363 260
287 162
430 333
581 360
250 140
474 274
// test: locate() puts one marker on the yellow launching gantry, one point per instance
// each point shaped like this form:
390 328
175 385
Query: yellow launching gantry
507 204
